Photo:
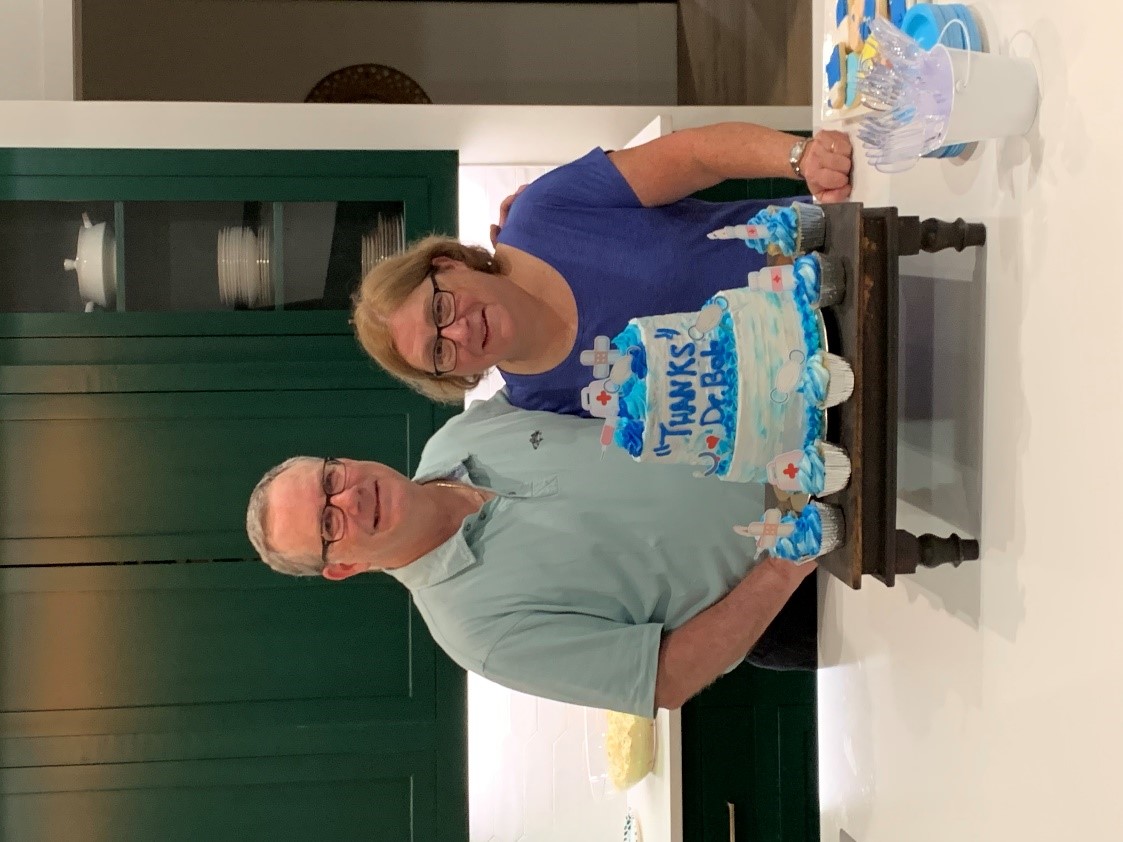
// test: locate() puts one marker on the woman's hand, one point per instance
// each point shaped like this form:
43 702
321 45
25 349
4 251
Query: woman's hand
826 166
504 209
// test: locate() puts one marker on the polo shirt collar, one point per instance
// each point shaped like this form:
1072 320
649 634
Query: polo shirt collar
450 558
455 554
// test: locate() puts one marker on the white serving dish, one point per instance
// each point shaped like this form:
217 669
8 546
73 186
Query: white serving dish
95 263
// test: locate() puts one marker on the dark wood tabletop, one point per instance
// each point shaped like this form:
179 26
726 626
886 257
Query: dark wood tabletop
863 328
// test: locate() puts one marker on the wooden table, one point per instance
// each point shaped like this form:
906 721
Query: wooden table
863 328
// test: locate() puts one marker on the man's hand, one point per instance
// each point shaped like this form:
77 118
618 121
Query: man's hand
790 571
826 166
692 656
504 209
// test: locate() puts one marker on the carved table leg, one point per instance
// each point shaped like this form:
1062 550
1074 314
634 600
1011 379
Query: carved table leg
932 551
914 235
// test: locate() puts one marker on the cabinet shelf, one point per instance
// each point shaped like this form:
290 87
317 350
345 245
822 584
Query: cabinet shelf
197 256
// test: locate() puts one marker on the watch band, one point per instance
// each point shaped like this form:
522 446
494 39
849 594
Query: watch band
796 155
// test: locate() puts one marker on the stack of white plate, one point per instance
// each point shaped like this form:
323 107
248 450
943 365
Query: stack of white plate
244 276
387 239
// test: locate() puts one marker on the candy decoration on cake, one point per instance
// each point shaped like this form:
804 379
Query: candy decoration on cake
819 468
601 357
816 530
776 230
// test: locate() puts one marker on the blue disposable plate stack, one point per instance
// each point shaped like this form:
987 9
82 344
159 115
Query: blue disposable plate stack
924 22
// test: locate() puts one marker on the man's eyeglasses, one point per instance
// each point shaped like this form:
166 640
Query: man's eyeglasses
444 314
332 520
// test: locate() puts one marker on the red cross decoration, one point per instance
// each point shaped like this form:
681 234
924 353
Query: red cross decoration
791 471
603 398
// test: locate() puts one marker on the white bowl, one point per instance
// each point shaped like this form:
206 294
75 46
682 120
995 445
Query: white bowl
95 263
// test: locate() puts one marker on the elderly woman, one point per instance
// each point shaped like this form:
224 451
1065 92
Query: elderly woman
586 247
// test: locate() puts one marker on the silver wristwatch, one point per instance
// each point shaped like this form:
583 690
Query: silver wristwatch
796 155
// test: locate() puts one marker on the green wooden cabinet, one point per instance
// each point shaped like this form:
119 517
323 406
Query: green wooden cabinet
158 682
749 747
156 411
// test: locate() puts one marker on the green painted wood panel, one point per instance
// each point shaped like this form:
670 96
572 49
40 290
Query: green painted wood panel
241 651
150 476
178 701
224 638
749 740
130 325
336 797
205 164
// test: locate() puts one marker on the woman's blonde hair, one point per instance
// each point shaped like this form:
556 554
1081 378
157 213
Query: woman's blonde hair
383 291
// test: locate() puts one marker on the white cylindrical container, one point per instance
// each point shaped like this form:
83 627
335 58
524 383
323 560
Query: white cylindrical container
995 96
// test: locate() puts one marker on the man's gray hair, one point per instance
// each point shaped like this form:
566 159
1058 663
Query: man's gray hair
256 513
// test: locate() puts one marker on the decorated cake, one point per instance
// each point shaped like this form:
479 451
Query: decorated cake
738 388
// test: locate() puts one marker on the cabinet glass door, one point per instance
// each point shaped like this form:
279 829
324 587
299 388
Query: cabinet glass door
206 232
191 256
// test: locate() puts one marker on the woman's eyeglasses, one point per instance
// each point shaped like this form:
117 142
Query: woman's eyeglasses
444 314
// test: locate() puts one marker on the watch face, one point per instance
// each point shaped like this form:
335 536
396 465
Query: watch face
796 154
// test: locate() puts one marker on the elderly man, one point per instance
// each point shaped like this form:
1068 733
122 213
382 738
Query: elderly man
541 563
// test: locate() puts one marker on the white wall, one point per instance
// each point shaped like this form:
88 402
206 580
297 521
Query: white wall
528 780
483 134
36 49
234 50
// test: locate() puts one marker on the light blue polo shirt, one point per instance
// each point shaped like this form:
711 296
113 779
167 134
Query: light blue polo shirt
563 585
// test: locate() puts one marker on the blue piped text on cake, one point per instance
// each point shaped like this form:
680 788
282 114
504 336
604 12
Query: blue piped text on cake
701 378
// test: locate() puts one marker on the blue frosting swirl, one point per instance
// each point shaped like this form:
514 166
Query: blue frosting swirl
812 471
814 420
781 224
815 380
808 279
809 322
723 350
632 397
806 540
